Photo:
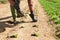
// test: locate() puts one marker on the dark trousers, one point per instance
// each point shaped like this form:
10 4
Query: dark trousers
15 8
31 9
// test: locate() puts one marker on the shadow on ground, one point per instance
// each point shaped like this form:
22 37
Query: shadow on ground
5 18
4 24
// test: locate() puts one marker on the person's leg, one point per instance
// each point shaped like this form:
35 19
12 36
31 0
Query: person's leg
13 15
19 14
31 11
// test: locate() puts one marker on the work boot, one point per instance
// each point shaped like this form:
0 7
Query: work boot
32 16
16 22
11 22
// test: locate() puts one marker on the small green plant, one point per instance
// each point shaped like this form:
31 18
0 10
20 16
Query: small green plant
57 21
52 7
21 27
54 17
36 34
14 36
35 26
58 27
3 1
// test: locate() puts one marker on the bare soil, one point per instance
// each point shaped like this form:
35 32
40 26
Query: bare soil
44 29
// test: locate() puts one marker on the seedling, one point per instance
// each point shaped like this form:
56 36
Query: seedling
35 25
36 35
54 17
21 27
23 21
58 27
3 1
57 21
13 36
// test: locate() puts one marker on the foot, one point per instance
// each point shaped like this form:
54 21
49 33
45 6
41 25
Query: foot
34 21
15 22
32 17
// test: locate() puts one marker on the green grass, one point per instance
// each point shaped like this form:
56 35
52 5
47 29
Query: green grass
3 1
52 7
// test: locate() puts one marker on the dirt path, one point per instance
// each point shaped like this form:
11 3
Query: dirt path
45 31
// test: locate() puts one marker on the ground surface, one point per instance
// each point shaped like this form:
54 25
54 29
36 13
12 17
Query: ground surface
44 29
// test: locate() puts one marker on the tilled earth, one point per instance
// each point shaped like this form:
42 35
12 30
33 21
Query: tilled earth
24 30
